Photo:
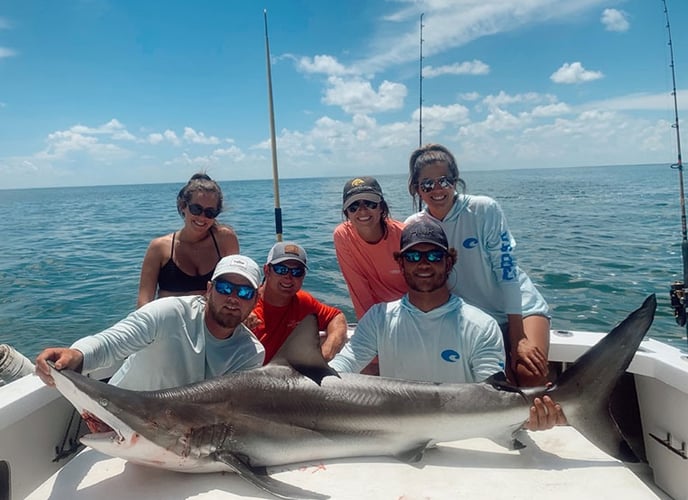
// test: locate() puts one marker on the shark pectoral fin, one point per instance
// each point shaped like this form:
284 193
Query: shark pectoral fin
414 454
511 440
259 477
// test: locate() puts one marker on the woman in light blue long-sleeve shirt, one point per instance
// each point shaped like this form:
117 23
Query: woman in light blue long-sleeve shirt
486 274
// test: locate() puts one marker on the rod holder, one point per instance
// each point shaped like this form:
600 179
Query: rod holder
681 452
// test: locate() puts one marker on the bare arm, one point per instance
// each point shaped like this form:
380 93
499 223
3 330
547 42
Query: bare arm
526 355
150 270
227 240
336 336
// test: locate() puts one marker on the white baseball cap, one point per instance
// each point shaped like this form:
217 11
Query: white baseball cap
241 265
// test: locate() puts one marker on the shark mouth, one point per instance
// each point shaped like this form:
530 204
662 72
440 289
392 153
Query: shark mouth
98 428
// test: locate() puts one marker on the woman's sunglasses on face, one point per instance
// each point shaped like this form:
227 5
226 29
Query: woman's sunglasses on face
197 209
353 208
432 256
245 292
445 182
282 270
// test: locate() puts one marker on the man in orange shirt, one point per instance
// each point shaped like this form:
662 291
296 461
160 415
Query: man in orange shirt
282 304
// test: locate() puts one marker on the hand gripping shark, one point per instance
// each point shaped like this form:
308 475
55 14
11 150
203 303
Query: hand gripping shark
298 409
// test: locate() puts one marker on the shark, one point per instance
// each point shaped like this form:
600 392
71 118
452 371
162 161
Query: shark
298 409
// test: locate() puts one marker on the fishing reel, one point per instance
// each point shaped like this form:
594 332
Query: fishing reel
678 302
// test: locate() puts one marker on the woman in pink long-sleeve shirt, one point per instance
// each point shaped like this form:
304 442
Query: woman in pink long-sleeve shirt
365 244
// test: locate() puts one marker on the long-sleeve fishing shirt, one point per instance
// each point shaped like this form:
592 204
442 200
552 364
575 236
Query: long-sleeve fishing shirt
369 269
167 344
455 342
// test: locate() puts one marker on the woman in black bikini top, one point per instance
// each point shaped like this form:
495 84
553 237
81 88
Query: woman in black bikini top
181 263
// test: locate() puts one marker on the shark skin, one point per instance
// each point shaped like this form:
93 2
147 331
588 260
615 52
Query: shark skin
298 409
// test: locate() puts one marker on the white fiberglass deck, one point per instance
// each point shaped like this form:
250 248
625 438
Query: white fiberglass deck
559 462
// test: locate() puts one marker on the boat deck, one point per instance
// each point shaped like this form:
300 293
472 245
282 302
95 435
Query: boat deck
559 461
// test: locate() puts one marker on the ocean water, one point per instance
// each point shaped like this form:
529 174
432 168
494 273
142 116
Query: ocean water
596 241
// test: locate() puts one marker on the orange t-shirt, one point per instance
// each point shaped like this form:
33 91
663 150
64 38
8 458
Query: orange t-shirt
278 322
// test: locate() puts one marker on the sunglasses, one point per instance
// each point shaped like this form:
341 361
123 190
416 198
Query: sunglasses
197 209
283 270
431 256
353 208
245 292
427 185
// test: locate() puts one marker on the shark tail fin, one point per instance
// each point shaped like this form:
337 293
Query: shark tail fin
585 388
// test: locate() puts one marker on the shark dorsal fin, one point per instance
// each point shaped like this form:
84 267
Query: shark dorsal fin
302 351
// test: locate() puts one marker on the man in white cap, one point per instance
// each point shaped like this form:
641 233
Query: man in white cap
175 341
282 304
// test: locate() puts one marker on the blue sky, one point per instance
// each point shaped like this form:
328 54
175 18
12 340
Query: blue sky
117 92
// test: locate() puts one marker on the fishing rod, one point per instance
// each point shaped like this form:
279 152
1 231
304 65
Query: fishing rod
273 141
420 93
679 293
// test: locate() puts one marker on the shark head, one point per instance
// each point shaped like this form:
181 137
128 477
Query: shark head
132 426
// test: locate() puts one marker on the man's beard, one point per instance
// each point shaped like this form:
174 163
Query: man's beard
425 284
223 318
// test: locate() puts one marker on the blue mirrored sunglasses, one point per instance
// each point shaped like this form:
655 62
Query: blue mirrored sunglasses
246 292
444 182
431 255
353 208
281 269
197 209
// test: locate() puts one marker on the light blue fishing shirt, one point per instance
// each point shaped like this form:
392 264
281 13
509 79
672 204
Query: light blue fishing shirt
455 342
486 274
167 344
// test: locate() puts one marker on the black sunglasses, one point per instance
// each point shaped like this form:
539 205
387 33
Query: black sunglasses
353 208
282 270
245 292
197 209
431 256
445 182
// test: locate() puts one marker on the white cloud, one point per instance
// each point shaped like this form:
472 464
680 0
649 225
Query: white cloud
615 20
469 96
322 64
557 109
5 52
194 137
358 96
574 73
503 99
65 142
474 67
155 138
170 136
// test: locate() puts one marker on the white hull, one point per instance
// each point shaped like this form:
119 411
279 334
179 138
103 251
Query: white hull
34 419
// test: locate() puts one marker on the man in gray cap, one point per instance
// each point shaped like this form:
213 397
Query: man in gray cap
282 304
175 341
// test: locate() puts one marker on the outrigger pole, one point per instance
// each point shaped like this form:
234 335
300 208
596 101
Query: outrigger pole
679 293
420 93
273 140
